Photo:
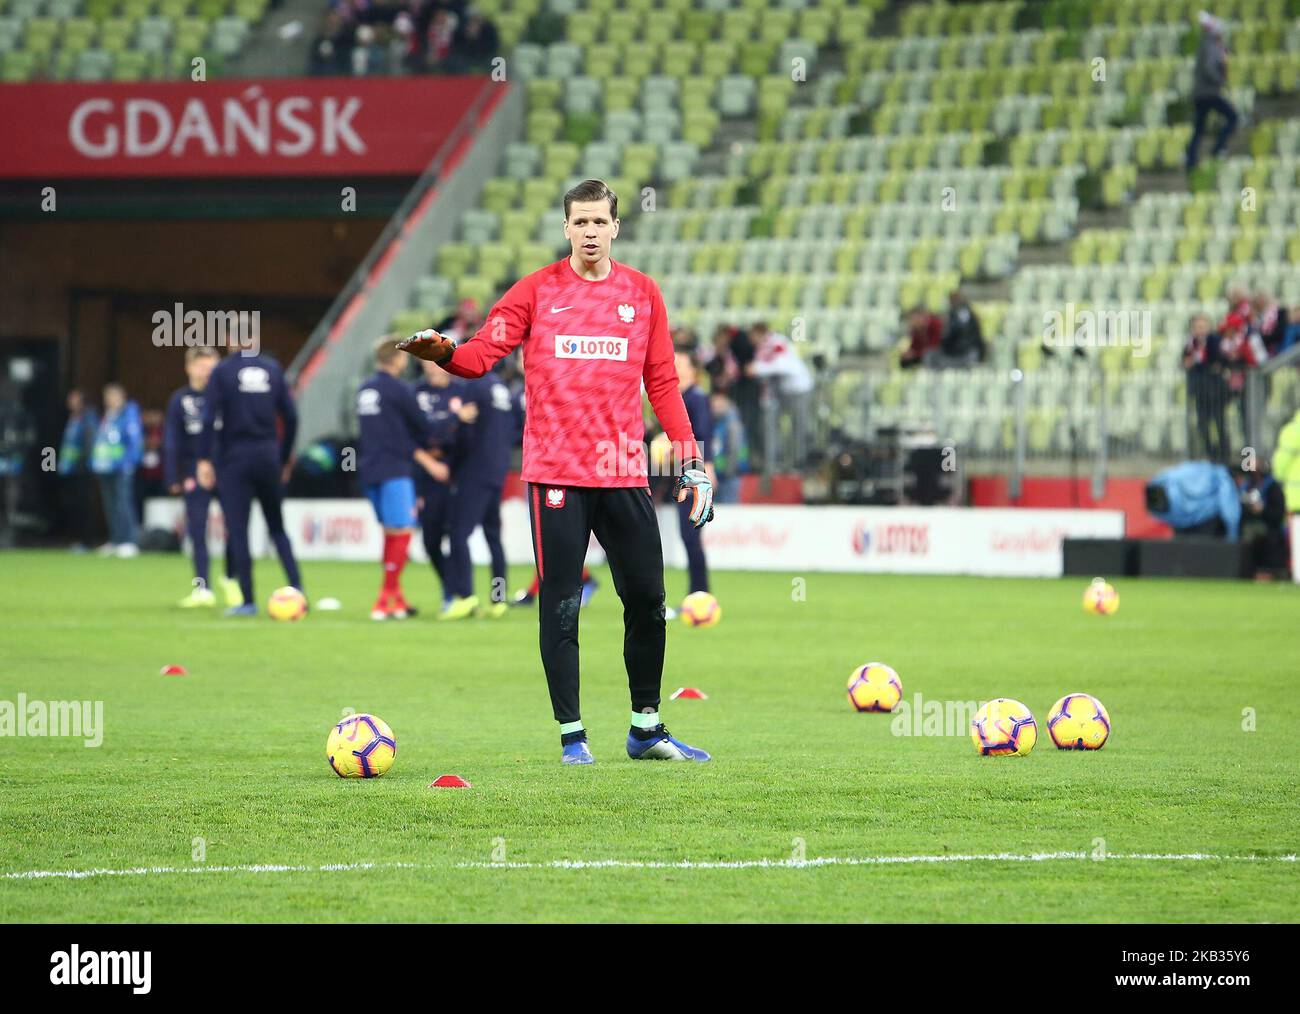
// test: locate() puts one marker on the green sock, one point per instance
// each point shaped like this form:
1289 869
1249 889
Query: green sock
645 721
568 727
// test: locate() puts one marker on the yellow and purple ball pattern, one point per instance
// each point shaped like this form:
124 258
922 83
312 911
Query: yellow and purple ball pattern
1101 598
1003 728
700 609
361 746
875 687
1078 722
287 604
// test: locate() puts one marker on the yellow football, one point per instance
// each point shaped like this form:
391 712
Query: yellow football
1003 728
361 746
287 603
1078 722
875 687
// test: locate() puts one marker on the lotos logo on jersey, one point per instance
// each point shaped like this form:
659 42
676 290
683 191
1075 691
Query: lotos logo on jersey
254 380
626 312
555 498
568 346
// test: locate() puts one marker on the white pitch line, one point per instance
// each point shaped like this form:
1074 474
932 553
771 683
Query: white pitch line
635 864
803 864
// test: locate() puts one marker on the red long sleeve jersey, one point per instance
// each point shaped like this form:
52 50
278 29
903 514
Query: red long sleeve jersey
588 345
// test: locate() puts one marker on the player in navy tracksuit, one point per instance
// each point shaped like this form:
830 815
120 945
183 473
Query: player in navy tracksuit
479 465
393 435
181 429
251 398
436 394
701 416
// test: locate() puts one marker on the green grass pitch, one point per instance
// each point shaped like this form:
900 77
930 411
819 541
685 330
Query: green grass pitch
233 754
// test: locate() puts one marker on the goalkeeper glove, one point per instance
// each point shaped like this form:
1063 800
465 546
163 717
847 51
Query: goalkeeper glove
429 345
695 481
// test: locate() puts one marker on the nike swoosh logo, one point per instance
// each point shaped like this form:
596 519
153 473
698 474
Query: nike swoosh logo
560 309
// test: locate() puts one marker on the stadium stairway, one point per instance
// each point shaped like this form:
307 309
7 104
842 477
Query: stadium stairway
269 54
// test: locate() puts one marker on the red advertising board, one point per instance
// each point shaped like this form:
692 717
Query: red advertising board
271 127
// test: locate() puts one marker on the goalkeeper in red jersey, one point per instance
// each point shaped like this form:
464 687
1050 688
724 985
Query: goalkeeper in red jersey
592 331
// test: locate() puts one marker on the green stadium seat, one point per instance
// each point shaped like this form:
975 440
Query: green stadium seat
133 65
18 66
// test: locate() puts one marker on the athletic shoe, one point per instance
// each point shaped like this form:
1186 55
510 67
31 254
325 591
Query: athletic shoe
230 590
523 597
247 609
662 747
460 609
492 611
589 588
577 753
107 549
670 613
127 550
198 597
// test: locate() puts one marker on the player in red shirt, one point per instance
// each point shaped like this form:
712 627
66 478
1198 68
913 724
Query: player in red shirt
593 331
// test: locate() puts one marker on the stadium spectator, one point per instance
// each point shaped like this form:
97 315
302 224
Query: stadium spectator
74 469
331 53
1291 336
791 382
438 40
1270 320
1263 522
1286 466
736 379
473 45
1209 79
1241 348
719 360
924 334
403 46
1196 498
17 437
118 447
962 343
730 448
368 58
149 476
1207 390
464 323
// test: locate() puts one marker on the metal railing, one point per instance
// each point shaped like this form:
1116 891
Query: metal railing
1073 419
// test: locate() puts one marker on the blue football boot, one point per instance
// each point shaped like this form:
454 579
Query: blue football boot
577 753
662 746
247 609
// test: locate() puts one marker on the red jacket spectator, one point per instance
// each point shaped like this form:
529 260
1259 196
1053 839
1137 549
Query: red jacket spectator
924 332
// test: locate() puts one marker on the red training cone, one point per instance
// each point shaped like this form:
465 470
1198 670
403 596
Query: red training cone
449 782
175 670
689 692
